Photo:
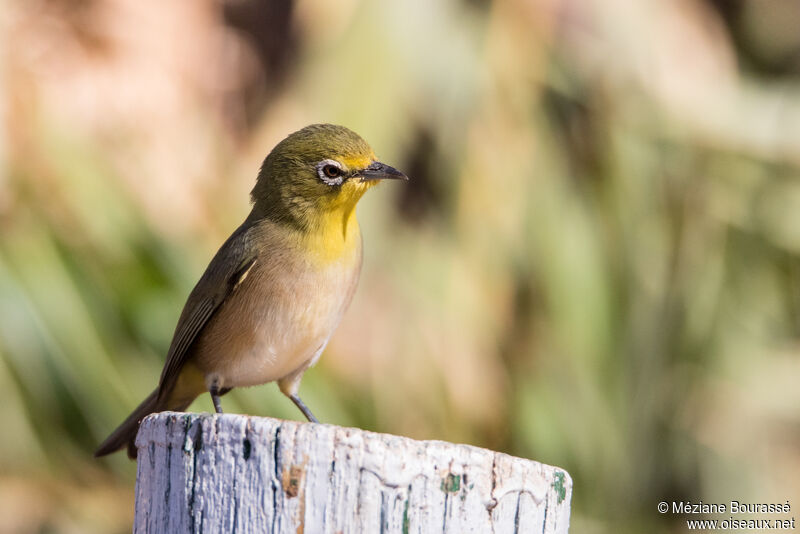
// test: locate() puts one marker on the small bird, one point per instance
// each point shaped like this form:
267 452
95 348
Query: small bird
276 290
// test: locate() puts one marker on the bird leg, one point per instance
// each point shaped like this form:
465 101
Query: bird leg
303 408
216 393
289 385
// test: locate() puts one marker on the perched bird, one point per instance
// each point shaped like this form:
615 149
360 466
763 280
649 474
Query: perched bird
273 294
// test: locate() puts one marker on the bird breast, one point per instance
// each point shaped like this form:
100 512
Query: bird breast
278 319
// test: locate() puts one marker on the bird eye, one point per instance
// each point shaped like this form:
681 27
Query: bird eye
331 171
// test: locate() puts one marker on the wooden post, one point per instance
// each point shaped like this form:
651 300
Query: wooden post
232 473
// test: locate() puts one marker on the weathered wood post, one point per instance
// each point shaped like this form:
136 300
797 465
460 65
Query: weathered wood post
233 473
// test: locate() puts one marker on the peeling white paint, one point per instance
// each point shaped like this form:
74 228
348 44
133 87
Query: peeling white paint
232 473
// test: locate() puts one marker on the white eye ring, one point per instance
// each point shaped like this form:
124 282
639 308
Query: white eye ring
330 172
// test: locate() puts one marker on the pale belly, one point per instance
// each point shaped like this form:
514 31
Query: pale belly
267 330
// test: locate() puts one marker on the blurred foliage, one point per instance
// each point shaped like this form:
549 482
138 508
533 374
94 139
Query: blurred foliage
595 265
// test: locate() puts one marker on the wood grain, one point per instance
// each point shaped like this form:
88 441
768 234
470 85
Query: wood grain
232 473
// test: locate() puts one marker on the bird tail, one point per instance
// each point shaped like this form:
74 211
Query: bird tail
125 434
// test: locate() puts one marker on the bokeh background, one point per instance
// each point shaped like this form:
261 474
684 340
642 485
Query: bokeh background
595 265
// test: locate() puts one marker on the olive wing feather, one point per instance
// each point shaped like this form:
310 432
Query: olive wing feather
228 267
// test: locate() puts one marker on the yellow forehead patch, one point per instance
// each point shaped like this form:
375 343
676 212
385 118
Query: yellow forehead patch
357 162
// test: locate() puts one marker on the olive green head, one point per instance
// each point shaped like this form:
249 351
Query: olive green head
318 169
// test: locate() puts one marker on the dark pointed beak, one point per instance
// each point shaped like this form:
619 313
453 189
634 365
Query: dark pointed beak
381 171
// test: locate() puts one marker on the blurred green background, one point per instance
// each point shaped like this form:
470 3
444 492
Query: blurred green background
596 264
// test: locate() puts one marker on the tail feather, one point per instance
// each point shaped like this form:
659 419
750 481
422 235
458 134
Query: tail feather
125 434
177 397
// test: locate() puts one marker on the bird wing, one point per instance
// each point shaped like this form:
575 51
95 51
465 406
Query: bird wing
222 276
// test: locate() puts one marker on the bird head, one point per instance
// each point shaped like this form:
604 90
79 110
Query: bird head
320 169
